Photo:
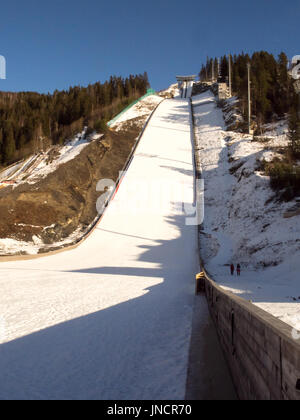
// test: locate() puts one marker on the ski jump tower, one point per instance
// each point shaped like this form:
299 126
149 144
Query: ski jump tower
185 85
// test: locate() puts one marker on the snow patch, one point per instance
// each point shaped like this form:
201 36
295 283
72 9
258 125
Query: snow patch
243 222
142 108
39 166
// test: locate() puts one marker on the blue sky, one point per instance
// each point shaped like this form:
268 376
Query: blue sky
51 45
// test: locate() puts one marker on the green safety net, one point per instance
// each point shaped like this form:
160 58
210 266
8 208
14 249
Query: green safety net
149 93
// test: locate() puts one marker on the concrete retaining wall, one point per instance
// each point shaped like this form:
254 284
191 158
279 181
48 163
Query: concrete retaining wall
263 357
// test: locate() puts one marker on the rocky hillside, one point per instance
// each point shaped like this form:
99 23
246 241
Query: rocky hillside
51 203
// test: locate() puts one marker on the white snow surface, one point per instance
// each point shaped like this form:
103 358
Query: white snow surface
9 246
31 171
112 318
142 108
243 224
38 166
173 90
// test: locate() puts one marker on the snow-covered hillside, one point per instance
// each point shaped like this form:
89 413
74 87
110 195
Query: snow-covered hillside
112 318
42 164
244 223
141 111
39 166
172 91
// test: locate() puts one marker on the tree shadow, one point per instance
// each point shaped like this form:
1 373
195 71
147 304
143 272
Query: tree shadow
134 350
137 349
187 172
203 103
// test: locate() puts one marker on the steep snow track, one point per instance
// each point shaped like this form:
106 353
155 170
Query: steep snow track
112 318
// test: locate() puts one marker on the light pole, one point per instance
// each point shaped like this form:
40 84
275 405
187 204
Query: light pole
249 98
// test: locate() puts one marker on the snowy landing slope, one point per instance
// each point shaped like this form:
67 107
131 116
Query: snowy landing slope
242 222
112 318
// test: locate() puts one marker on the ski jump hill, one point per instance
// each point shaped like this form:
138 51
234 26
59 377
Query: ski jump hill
112 318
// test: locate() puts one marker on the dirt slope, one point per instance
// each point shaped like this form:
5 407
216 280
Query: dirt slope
57 205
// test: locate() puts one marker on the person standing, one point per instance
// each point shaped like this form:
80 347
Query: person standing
232 269
238 270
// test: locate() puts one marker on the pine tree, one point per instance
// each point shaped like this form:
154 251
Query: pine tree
224 69
55 117
294 133
216 68
272 88
9 146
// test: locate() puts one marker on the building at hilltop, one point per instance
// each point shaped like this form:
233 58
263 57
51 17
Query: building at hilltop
185 85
